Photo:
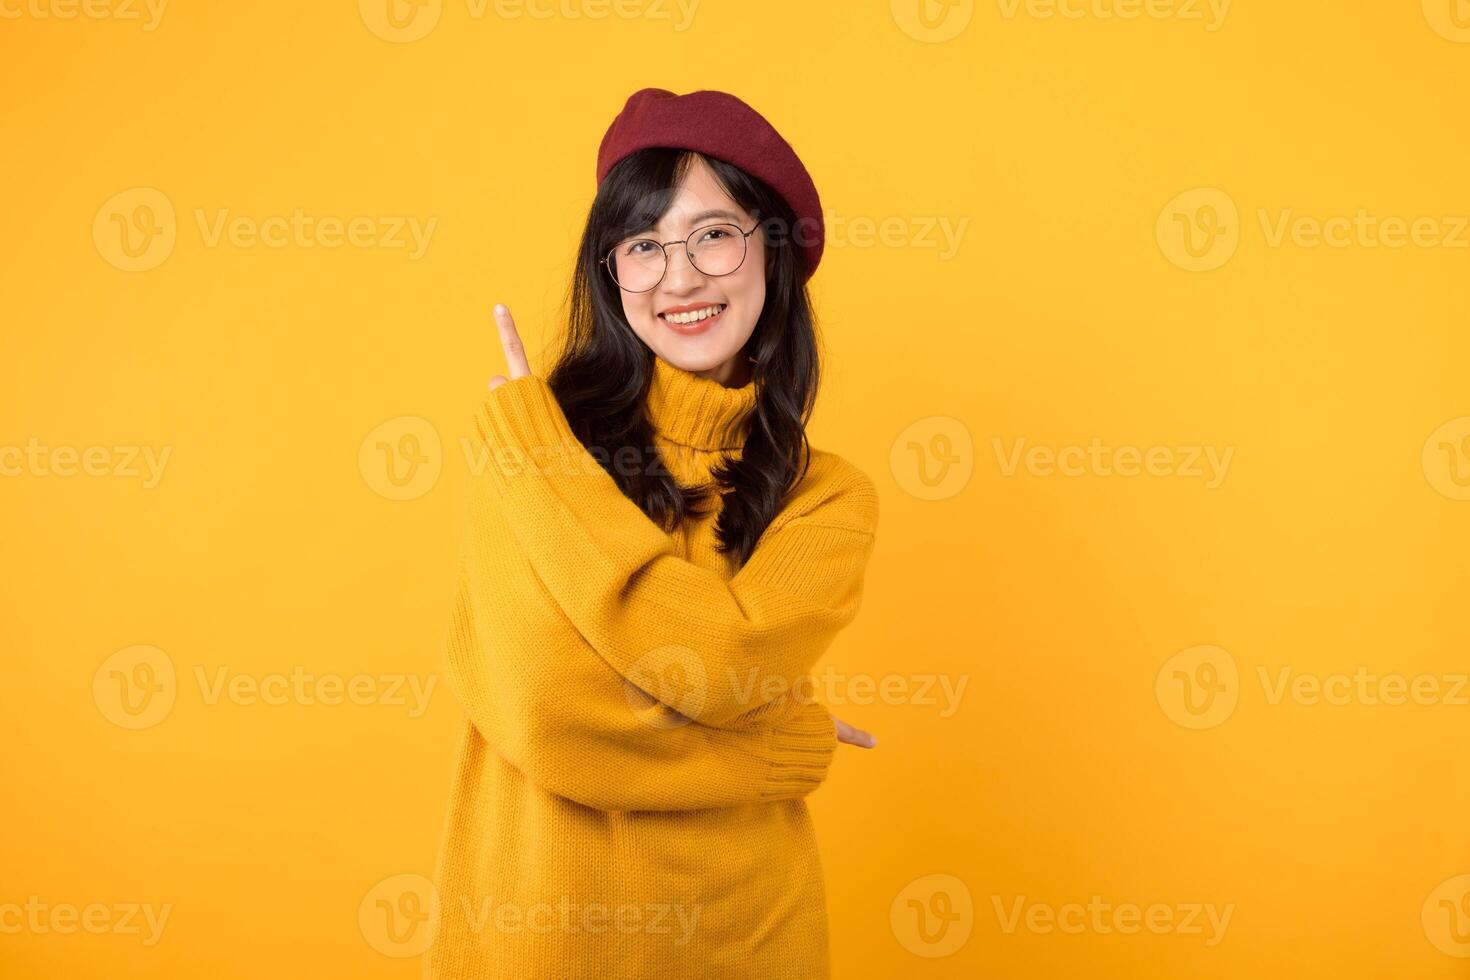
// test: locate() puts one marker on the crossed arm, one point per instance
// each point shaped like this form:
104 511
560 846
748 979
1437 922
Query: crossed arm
614 672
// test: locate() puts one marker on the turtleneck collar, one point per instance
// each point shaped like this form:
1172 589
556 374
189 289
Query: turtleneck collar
697 412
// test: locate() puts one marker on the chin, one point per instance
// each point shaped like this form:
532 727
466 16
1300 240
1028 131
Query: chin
700 351
688 357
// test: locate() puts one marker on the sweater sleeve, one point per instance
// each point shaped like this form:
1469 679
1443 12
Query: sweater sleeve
574 726
740 643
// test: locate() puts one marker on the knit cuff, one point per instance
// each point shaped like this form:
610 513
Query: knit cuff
801 751
523 428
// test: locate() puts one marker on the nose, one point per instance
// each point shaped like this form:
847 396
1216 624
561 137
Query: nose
680 274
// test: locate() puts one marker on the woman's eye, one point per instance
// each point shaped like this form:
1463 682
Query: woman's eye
708 236
634 247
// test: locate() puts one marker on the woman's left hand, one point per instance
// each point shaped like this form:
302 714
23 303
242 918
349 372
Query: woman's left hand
510 342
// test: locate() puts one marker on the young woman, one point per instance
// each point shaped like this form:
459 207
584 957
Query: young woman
655 558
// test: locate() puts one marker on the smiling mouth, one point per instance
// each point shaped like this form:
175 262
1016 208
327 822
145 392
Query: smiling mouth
694 316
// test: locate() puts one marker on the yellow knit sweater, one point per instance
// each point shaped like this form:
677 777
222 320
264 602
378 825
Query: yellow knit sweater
628 799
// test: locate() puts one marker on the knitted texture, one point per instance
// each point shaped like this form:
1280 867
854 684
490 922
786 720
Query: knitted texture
629 793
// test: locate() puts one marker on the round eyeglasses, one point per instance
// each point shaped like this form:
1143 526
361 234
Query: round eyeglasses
640 264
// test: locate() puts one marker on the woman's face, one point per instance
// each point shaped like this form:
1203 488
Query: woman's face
711 347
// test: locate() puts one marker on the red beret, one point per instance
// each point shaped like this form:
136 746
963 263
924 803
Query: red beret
719 125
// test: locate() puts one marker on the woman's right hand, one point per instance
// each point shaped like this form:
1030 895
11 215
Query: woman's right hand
853 736
510 342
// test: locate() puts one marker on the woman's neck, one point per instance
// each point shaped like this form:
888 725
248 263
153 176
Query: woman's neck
734 373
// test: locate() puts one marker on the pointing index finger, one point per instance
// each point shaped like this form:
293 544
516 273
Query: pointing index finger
510 341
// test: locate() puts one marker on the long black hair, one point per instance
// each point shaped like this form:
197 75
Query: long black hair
602 372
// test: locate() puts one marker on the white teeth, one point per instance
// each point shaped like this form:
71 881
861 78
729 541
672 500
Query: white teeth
693 316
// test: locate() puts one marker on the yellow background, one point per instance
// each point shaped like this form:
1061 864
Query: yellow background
1336 540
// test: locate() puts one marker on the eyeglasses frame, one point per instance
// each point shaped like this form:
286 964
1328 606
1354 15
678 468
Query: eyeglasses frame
745 235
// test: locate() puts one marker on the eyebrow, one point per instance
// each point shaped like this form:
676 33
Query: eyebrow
706 215
718 213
